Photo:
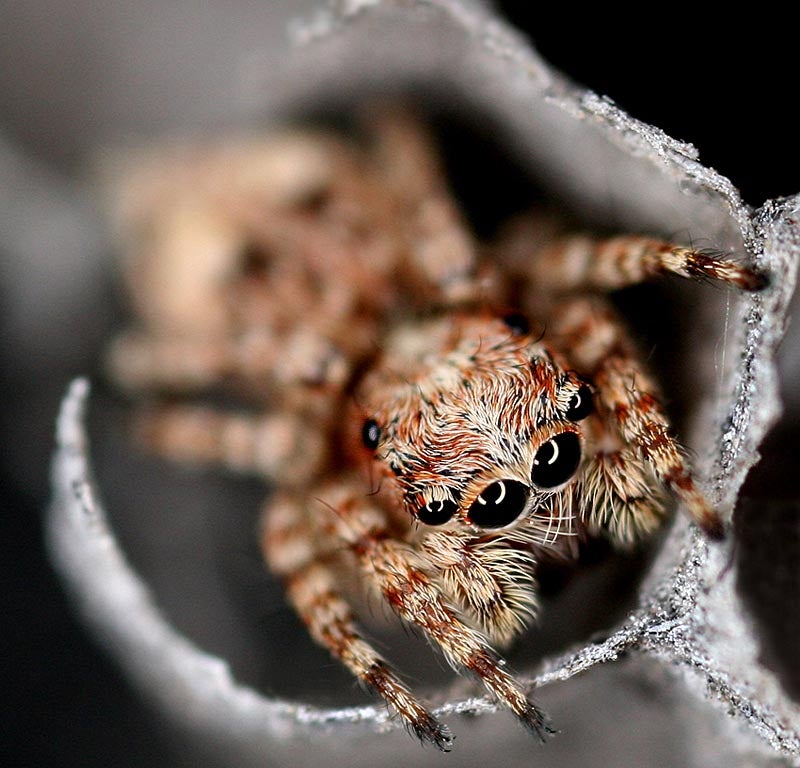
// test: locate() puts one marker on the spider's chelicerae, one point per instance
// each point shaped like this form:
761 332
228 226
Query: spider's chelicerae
436 414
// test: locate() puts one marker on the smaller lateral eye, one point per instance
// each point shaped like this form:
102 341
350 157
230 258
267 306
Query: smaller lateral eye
370 434
517 323
580 404
437 512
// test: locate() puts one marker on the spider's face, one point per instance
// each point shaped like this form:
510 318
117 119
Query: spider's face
482 429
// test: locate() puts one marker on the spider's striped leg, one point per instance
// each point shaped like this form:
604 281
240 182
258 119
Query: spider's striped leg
399 573
439 252
405 151
277 445
631 400
137 362
599 347
580 263
140 362
304 557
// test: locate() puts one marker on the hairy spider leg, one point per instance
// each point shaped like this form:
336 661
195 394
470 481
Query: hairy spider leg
294 548
140 362
580 263
277 446
600 348
397 571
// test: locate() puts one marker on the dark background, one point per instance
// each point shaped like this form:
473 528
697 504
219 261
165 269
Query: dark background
727 91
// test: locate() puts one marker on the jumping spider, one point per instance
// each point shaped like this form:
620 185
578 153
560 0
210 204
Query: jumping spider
439 455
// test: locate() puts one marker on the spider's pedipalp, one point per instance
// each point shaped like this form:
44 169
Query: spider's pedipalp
619 497
491 583
399 574
405 579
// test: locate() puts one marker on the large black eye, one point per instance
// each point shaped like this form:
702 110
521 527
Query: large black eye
437 512
370 434
499 504
556 460
580 404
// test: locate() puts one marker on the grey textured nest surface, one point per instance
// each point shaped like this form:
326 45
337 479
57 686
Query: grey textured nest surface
686 686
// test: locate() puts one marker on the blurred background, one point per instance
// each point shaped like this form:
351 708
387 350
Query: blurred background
78 76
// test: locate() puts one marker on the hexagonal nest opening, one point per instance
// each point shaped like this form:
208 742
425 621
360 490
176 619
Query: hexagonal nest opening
192 533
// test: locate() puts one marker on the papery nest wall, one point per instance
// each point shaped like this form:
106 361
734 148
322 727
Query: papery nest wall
688 636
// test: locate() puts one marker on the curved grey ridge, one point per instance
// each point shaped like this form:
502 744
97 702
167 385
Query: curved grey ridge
689 626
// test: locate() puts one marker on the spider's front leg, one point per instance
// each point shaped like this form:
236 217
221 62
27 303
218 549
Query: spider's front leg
631 400
407 581
599 347
403 577
302 547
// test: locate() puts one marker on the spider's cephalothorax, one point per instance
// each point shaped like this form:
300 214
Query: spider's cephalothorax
481 428
440 457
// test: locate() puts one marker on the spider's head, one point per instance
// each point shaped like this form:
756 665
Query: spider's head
476 422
